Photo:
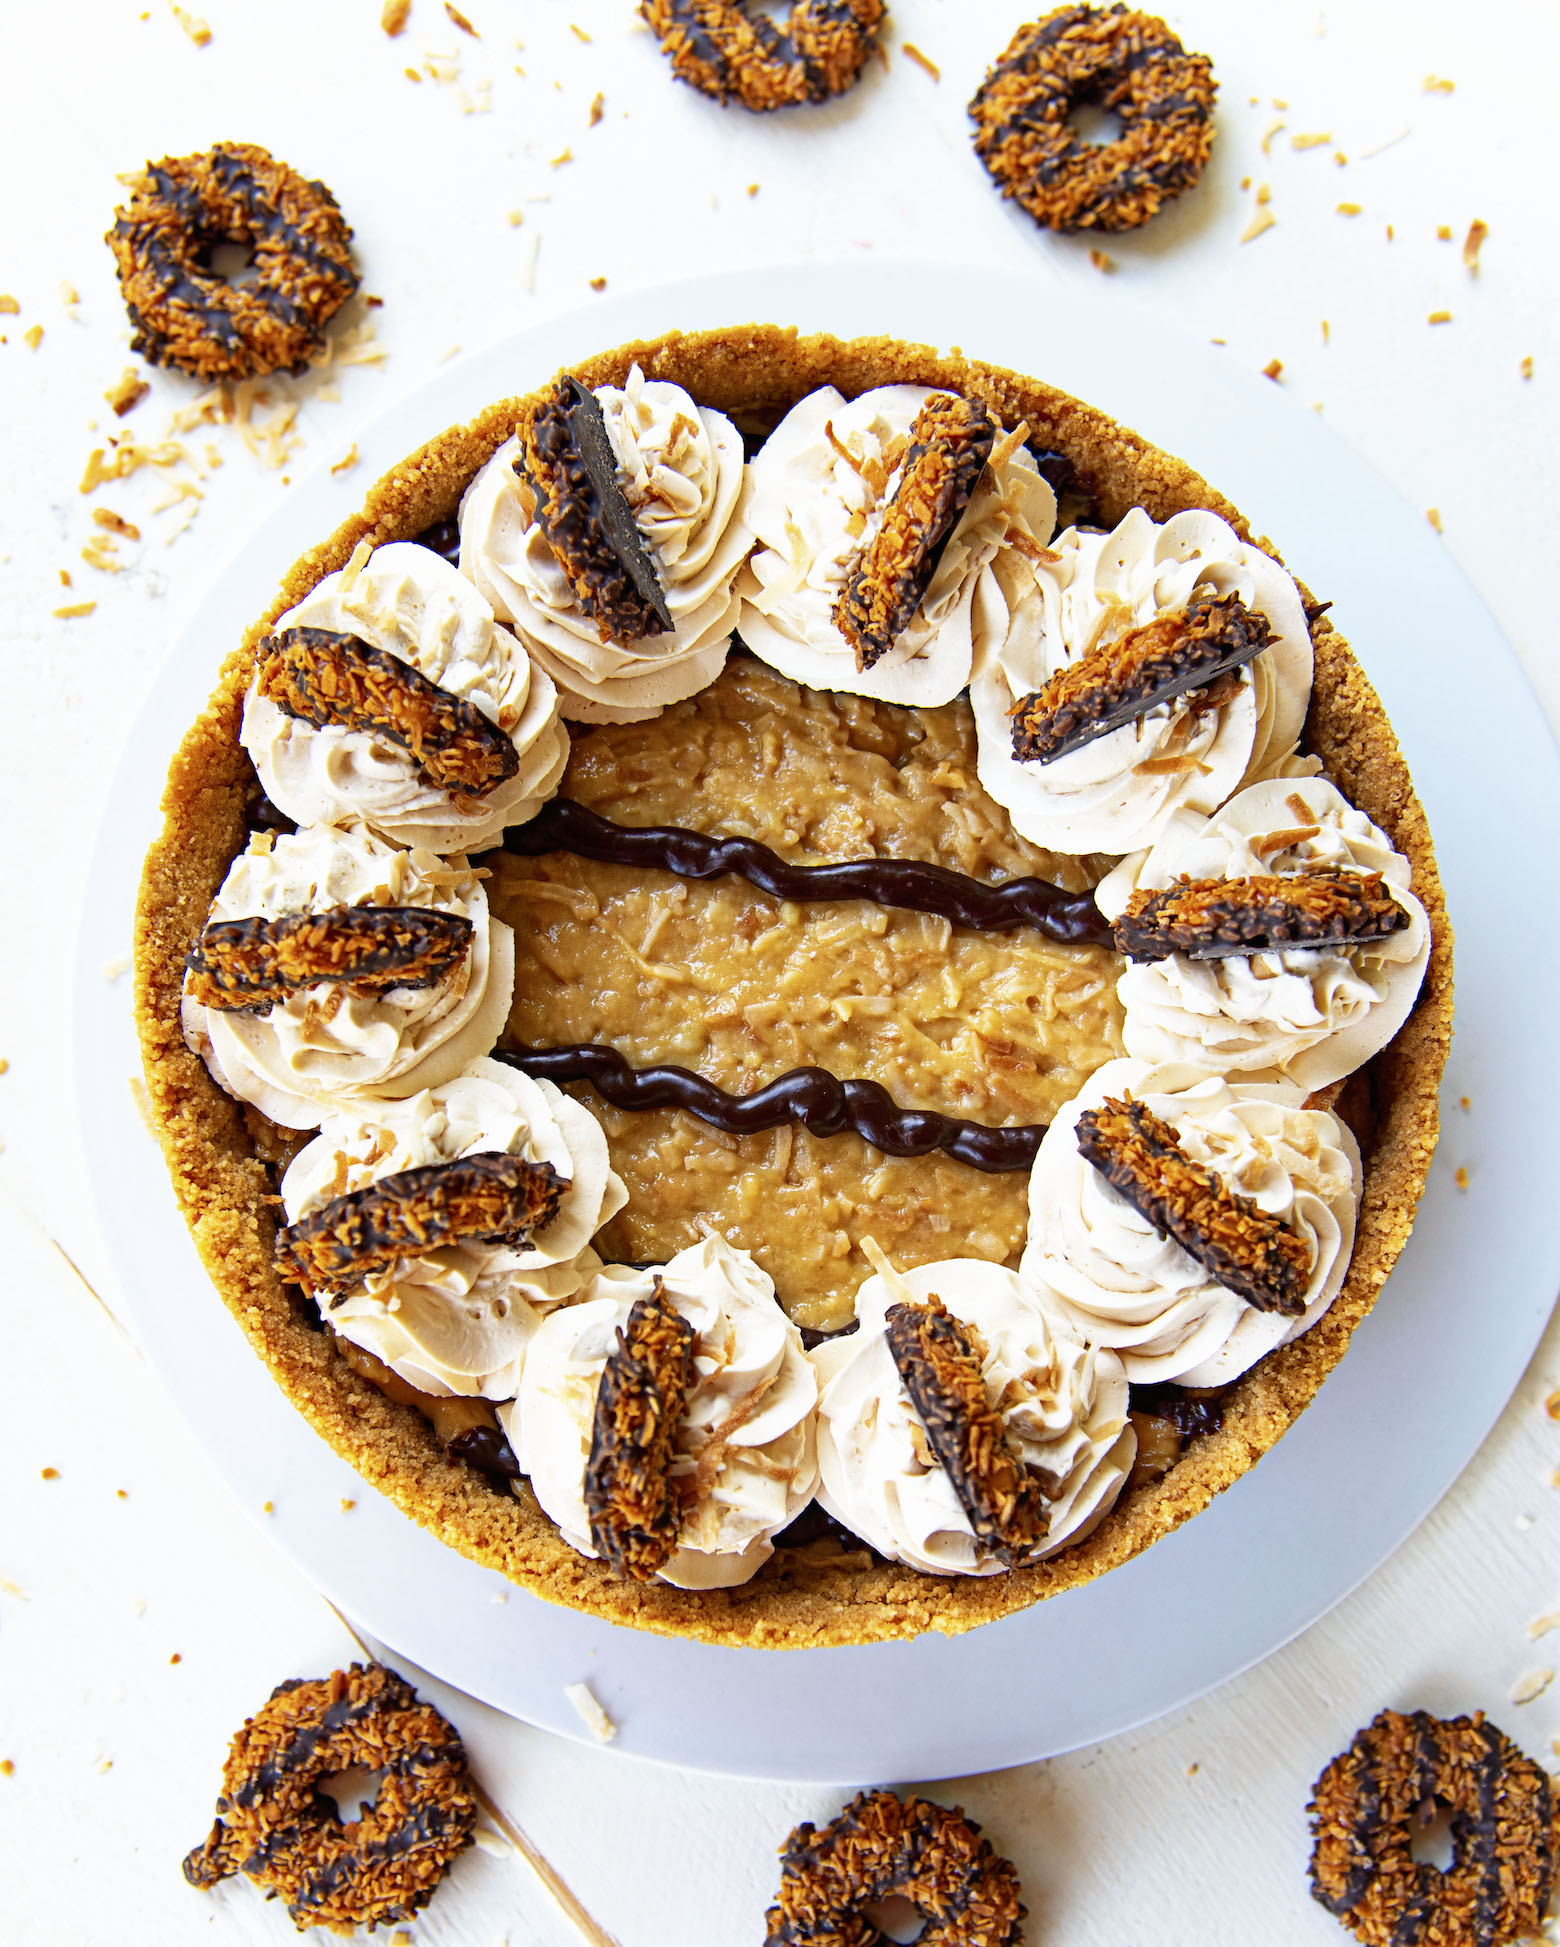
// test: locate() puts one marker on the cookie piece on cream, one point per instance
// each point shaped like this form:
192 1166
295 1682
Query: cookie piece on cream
405 602
1125 1285
1188 751
1311 1014
327 1044
680 468
457 1319
1062 1405
824 483
743 1464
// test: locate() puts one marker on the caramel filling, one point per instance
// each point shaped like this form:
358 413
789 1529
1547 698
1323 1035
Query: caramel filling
741 987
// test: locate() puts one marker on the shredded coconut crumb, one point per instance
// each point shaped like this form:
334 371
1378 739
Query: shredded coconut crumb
1478 230
592 1713
1530 1688
192 24
392 16
1102 262
922 61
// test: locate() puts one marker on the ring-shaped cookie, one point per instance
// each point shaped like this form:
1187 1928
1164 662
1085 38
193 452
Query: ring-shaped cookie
275 1825
187 314
1131 65
881 1846
1368 1802
723 48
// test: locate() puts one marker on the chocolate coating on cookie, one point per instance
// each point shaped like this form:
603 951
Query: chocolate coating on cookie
1116 682
185 314
950 444
633 1506
1368 1804
729 50
1125 62
1240 1245
249 963
324 678
821 1102
1071 918
275 1825
1217 919
939 1361
566 460
881 1846
489 1198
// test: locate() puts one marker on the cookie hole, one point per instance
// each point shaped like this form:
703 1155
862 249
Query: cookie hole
354 1792
1095 125
1432 1843
895 1918
234 263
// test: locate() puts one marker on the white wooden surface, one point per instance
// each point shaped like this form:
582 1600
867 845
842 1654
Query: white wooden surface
141 1615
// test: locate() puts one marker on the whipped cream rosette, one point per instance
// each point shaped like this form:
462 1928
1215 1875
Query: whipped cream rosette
822 484
680 466
457 1319
407 602
1125 1284
1191 752
1062 1404
333 1042
744 1462
1309 1014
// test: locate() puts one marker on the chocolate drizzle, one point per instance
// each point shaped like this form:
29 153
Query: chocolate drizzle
1072 918
821 1102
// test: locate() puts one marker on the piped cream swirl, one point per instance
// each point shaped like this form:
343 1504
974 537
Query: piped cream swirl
1063 1404
1118 793
327 1046
745 1457
459 1319
1311 1015
1125 1286
409 602
818 500
680 466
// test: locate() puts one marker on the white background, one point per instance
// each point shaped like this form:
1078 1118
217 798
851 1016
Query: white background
1191 1831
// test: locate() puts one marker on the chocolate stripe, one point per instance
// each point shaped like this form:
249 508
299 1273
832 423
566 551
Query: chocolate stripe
1071 918
821 1102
